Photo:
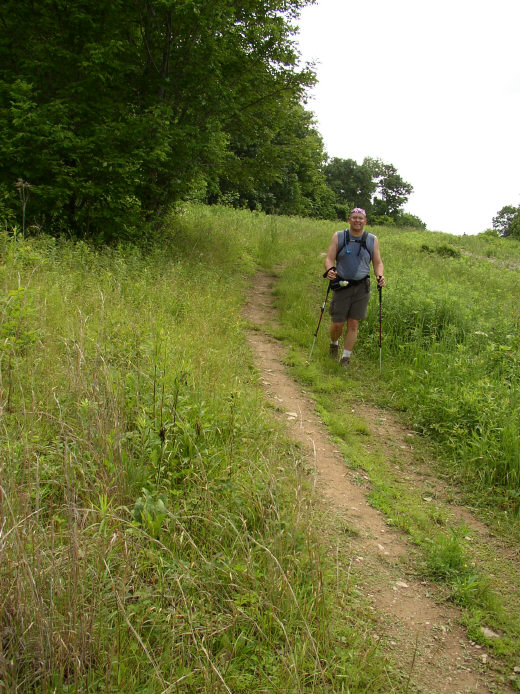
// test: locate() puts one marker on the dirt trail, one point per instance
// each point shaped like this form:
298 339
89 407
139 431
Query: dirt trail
430 646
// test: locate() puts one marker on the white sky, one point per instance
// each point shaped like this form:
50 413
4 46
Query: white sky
430 87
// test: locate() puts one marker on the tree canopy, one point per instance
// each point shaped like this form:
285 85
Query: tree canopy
392 192
507 221
353 184
374 185
112 111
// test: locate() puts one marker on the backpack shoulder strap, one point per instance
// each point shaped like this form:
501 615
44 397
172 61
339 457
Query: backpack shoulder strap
363 244
346 239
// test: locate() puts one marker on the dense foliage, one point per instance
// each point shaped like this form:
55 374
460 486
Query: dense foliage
507 221
279 171
111 111
373 185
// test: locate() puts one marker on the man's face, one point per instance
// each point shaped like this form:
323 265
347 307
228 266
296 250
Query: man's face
357 221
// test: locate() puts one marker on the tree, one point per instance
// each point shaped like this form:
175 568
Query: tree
507 221
392 191
279 168
373 185
352 184
117 108
406 220
301 188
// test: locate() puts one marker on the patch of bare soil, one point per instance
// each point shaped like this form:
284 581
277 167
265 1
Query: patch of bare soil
424 633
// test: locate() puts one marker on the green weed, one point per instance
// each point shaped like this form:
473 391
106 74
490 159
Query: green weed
156 525
127 369
449 368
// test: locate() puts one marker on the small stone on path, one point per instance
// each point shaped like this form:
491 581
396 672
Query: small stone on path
489 633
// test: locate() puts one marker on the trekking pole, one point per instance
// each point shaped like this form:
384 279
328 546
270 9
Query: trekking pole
380 290
319 321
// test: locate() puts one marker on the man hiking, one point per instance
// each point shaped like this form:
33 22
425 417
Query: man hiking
347 265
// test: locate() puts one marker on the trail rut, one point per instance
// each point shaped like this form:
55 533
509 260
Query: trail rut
429 645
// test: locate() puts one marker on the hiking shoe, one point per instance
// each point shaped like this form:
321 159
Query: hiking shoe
345 361
333 351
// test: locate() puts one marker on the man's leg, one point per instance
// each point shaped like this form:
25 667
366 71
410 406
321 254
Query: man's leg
335 333
350 340
351 333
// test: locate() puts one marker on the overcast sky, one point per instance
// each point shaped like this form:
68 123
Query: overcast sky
430 87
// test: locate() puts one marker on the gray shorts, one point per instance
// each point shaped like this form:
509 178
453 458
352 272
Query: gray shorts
351 302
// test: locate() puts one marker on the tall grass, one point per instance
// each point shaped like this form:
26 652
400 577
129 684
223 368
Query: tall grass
155 528
457 360
450 341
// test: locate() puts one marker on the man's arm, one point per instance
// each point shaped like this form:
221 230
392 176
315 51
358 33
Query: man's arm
378 264
330 260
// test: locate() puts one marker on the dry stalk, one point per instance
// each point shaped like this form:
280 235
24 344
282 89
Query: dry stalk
201 645
416 647
139 640
295 599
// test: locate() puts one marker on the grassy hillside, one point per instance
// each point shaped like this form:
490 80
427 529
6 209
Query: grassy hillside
450 368
156 527
156 533
450 346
